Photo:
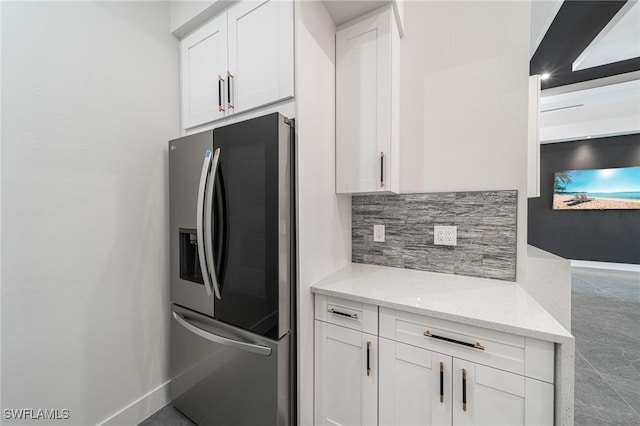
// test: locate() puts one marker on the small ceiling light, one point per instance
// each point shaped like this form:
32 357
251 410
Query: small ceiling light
545 76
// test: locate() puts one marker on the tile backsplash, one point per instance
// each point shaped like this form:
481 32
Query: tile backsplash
486 223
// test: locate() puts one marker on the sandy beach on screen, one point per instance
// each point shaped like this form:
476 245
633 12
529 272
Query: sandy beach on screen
595 203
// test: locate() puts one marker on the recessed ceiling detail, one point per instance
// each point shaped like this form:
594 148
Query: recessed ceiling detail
618 41
573 29
602 111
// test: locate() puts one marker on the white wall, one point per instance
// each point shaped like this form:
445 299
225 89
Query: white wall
186 15
324 218
90 99
1 212
183 11
464 91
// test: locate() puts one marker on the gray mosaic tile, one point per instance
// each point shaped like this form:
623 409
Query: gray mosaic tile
486 224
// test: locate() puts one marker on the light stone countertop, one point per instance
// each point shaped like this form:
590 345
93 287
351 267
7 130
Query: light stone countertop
492 304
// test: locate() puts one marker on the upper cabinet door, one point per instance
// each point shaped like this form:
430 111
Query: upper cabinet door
367 105
260 53
203 63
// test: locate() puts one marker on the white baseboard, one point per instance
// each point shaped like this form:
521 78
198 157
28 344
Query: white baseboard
141 408
605 265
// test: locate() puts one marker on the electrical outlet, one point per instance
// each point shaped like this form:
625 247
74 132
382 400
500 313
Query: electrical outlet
445 235
378 233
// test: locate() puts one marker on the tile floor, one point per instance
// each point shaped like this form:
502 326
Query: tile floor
606 324
168 416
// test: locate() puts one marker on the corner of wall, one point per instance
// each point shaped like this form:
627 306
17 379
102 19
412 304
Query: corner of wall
324 218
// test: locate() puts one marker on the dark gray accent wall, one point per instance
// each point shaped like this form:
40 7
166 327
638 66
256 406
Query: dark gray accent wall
486 226
597 235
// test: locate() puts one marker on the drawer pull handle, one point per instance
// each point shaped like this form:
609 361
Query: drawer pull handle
368 358
476 345
344 314
464 390
441 382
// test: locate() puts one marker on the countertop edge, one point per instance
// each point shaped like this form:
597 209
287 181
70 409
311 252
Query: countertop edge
526 332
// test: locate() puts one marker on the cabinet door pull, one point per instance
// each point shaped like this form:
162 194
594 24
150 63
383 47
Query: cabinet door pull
368 358
464 390
229 79
344 314
441 382
220 81
382 170
476 345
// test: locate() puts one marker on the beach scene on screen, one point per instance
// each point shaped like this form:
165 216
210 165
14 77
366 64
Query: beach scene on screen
597 189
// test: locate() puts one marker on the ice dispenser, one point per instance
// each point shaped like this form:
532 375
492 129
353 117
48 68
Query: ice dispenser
189 260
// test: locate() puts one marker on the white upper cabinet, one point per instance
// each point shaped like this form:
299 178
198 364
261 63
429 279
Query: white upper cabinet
367 105
239 60
203 59
260 52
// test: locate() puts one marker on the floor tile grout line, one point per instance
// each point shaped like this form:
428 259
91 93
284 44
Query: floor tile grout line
613 295
607 382
622 397
635 278
589 278
632 304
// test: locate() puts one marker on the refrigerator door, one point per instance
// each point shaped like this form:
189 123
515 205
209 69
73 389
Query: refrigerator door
190 161
221 375
254 184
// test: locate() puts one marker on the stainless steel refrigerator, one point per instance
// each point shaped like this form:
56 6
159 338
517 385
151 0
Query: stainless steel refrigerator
233 273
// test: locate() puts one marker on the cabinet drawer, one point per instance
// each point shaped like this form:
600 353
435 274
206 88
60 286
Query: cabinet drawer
488 347
346 313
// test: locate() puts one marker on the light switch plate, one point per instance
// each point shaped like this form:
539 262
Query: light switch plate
445 235
378 233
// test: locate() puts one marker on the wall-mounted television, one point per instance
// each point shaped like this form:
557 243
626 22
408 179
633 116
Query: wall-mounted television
597 189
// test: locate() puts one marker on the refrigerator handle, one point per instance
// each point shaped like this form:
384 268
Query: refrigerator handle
199 222
247 347
208 220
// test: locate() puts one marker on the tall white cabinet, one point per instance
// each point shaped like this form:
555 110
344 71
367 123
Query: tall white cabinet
367 104
239 60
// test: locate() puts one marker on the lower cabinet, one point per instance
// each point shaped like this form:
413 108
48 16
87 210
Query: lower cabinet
487 396
438 375
421 387
415 385
346 376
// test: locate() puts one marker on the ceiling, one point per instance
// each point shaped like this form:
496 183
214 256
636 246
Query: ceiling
342 11
601 38
591 49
